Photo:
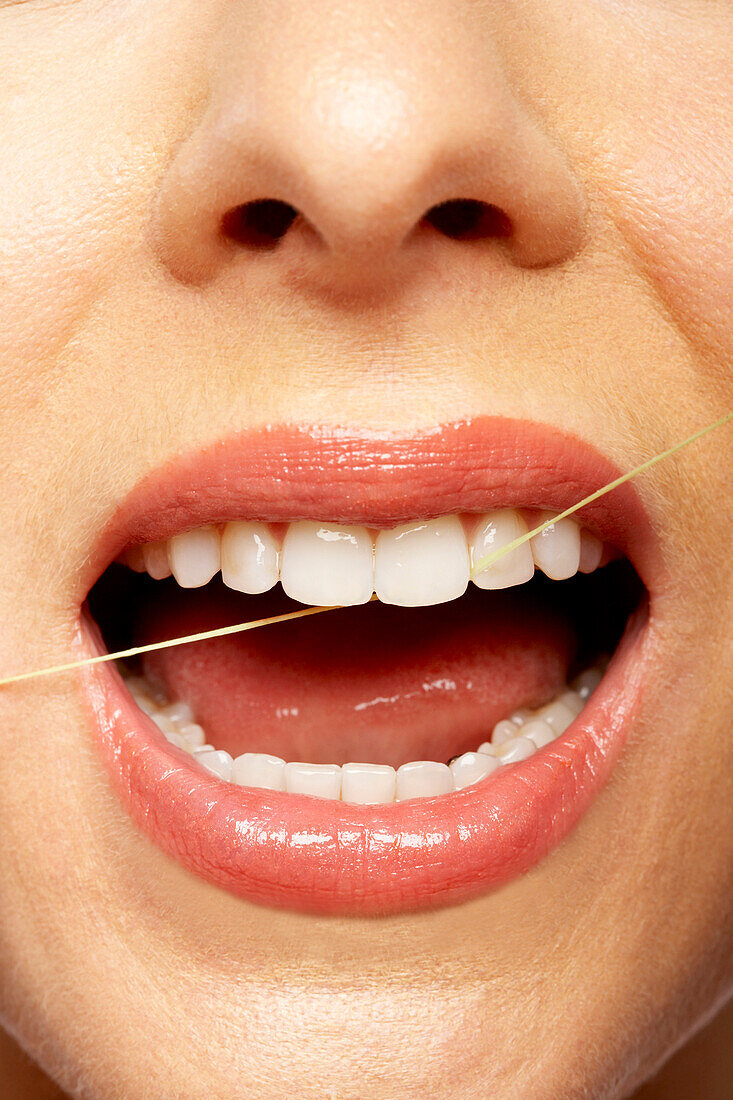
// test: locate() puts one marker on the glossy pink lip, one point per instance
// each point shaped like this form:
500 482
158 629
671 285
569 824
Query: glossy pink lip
316 856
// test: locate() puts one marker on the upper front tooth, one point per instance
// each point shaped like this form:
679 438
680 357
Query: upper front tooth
195 556
494 531
326 563
422 563
591 551
155 556
249 557
556 550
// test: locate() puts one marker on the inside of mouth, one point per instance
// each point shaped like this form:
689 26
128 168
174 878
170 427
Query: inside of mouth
374 683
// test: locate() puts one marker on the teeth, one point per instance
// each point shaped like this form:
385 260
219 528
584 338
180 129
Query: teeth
259 769
471 768
587 682
324 563
216 761
249 557
371 784
494 531
518 749
591 552
368 784
557 715
556 550
539 732
503 731
194 734
422 563
155 558
320 780
423 779
195 556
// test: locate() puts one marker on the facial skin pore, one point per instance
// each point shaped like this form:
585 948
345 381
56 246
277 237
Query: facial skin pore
130 333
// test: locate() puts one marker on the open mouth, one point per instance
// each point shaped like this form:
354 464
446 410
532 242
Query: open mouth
409 750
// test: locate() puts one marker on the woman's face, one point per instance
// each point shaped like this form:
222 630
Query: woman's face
147 320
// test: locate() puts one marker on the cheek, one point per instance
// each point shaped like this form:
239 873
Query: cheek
665 170
87 102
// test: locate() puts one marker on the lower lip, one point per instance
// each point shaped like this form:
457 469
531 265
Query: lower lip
326 857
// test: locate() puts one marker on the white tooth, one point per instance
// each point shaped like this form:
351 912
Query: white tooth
164 723
155 556
489 749
178 712
572 701
471 767
319 780
504 731
557 715
538 731
146 704
179 741
259 769
518 749
202 748
587 682
216 761
195 556
423 779
368 784
326 563
520 715
495 530
556 550
249 557
422 563
591 551
194 734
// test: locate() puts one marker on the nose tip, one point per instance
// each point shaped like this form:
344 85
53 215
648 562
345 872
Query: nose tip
337 180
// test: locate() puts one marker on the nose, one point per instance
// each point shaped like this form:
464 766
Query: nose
341 154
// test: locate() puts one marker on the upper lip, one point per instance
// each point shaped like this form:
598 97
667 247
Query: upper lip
288 473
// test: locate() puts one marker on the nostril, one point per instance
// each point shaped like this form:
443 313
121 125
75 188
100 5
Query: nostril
468 220
259 224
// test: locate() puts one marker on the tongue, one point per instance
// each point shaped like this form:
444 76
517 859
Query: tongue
376 683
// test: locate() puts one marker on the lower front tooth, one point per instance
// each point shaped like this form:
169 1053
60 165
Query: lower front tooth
538 731
319 780
518 749
557 715
503 731
472 767
259 769
194 734
423 779
368 784
587 682
216 761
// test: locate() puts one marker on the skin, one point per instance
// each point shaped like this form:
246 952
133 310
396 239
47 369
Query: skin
128 335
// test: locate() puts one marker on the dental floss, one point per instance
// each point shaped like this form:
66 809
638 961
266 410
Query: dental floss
479 566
